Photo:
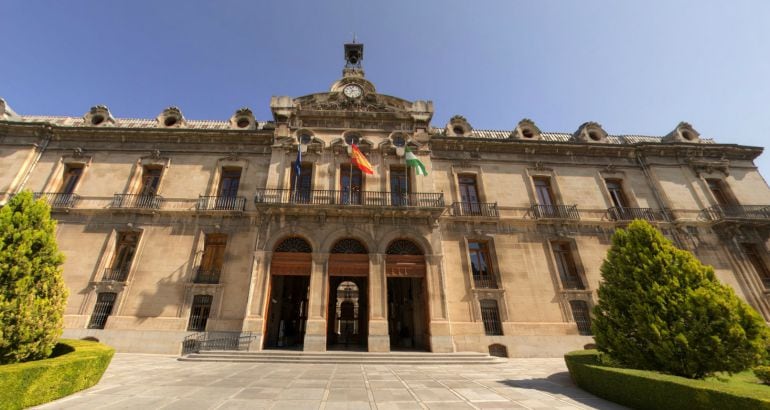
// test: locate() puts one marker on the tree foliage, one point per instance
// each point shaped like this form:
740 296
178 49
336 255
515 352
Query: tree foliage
661 309
32 291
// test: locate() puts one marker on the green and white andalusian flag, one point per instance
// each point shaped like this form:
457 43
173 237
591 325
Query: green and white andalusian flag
413 161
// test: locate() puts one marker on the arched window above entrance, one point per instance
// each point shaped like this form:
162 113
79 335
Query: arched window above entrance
403 247
294 244
349 245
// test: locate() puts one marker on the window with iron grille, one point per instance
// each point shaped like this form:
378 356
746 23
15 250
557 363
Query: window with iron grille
498 350
483 275
490 315
752 254
582 316
212 260
102 310
199 313
565 263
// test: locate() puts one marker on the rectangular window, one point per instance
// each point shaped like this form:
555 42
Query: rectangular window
717 188
752 254
228 184
72 175
302 184
351 184
615 188
102 310
469 195
490 315
399 186
124 256
212 260
483 276
543 191
199 313
565 263
582 316
150 181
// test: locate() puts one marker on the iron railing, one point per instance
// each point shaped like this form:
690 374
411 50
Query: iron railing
221 203
490 315
202 341
555 212
629 214
474 209
753 212
572 283
115 274
136 201
582 316
58 199
207 276
102 310
348 198
484 282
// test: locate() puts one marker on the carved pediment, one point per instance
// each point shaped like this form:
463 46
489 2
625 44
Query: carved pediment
337 102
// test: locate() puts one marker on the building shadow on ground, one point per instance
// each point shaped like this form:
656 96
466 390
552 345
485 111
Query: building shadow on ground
561 385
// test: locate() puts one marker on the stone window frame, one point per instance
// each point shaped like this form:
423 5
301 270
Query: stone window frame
216 177
577 261
479 294
764 262
628 192
134 184
199 246
56 178
532 174
725 187
475 170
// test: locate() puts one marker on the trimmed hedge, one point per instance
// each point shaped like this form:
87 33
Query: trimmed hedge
74 365
641 389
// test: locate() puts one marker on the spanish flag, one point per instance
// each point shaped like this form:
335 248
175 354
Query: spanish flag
360 160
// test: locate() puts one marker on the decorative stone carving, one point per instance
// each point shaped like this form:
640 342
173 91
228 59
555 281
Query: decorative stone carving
458 126
590 132
171 117
243 119
98 116
6 113
526 130
684 132
708 166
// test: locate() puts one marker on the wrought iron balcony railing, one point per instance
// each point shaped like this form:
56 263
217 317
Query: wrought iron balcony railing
572 283
628 214
207 275
484 282
555 212
115 274
136 201
347 198
221 203
474 209
58 199
745 212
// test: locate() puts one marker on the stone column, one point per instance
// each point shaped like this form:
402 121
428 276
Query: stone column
378 341
315 330
258 291
440 335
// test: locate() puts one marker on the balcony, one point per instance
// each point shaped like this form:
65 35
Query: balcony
221 203
347 198
208 276
738 213
475 209
565 212
115 274
629 214
572 283
484 282
58 199
134 201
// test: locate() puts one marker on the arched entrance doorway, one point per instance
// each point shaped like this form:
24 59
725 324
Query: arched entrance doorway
289 284
407 296
347 324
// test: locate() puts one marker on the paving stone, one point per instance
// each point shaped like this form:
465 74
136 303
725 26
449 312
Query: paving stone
301 394
480 394
349 405
348 395
428 395
388 395
245 404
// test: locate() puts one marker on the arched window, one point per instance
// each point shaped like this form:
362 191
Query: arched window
348 245
294 244
403 247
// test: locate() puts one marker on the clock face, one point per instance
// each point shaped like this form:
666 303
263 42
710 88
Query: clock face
352 91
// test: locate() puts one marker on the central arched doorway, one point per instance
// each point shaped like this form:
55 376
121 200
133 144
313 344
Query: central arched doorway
347 324
407 296
289 284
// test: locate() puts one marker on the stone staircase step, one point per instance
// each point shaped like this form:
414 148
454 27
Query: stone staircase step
335 357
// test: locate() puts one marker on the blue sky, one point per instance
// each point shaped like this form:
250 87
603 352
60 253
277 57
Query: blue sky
636 68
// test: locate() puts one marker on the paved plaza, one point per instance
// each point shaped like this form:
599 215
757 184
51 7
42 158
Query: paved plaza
151 381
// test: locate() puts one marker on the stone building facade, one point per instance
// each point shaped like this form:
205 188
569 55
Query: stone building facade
173 226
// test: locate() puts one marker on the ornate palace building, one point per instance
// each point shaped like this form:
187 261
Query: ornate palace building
173 226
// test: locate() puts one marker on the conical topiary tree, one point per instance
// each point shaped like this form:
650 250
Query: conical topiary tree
661 309
32 291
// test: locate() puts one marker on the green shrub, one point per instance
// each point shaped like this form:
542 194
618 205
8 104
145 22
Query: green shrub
661 309
641 389
32 291
75 365
762 373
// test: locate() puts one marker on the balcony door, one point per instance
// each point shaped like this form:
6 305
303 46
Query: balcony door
351 185
71 177
150 181
399 186
228 188
302 184
469 195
